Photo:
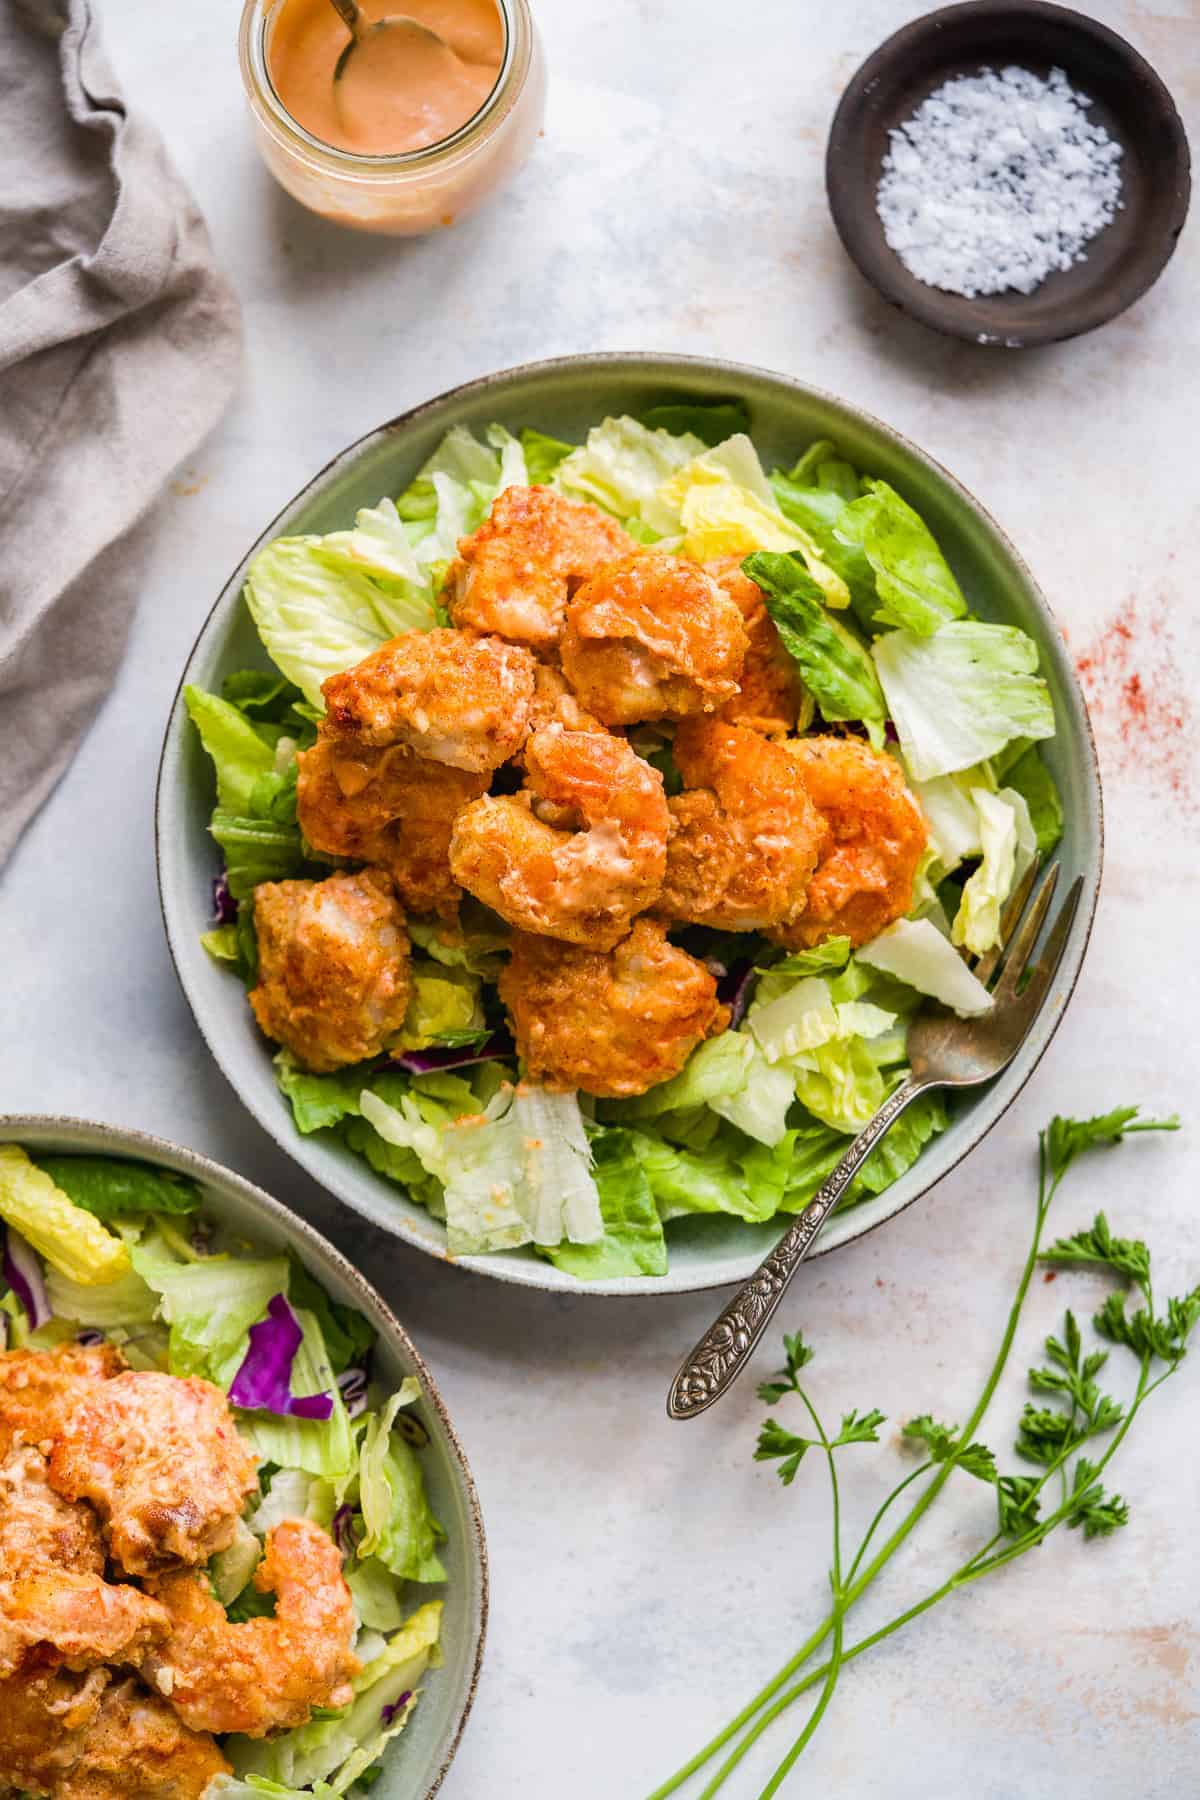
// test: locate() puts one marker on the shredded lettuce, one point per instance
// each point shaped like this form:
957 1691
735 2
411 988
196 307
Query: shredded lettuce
71 1240
401 1531
623 464
916 952
209 1305
977 921
633 1242
917 591
835 666
321 1446
1029 777
443 1000
959 696
115 1188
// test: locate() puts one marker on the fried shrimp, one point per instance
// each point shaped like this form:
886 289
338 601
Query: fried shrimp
611 1024
40 1388
744 833
160 1459
876 836
653 637
580 851
515 574
52 1586
387 807
446 695
770 693
83 1738
264 1674
333 967
554 703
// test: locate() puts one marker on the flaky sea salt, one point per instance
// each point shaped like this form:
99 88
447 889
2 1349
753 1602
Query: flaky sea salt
997 180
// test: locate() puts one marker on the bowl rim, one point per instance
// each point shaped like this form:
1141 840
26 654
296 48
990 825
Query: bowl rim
130 1140
937 308
648 365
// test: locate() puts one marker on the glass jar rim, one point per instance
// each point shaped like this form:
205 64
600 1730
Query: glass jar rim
513 14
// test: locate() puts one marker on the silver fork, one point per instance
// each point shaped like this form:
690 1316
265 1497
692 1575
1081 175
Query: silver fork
943 1051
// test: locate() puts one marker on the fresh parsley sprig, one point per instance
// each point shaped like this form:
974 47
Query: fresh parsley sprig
1071 1412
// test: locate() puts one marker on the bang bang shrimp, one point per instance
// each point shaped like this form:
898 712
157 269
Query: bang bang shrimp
744 834
876 837
266 1674
449 697
770 696
612 1023
333 967
653 637
39 1389
580 851
387 807
515 574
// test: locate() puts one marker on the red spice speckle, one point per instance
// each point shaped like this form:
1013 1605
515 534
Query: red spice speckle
1050 1275
1131 673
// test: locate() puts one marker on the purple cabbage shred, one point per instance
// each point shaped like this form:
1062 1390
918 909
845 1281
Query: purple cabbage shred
23 1273
224 905
352 1386
736 990
389 1712
498 1048
263 1383
89 1337
341 1529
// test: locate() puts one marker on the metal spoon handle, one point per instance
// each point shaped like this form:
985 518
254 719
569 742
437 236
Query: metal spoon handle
351 17
726 1347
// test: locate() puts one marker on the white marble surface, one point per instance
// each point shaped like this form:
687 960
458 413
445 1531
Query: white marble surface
648 1576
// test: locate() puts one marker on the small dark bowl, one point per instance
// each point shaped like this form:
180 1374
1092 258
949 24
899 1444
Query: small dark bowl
1129 100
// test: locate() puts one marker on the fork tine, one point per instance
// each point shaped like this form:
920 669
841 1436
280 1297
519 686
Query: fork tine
1046 966
1022 945
1010 918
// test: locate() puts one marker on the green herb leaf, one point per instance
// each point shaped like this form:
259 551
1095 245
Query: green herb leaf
943 1442
1095 1512
859 1428
776 1442
1065 1139
1127 1256
785 1381
1018 1503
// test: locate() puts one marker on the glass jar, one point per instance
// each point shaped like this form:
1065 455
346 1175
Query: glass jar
419 190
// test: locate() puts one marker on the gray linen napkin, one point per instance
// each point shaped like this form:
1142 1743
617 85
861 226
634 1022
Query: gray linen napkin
119 348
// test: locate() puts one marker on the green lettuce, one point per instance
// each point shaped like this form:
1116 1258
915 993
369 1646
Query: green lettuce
818 1149
239 753
542 455
977 921
209 1304
1029 777
401 1531
913 580
633 1242
916 952
836 668
112 1187
255 850
710 420
959 696
323 1447
623 464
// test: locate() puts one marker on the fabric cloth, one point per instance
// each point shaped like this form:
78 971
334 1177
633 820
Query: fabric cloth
119 348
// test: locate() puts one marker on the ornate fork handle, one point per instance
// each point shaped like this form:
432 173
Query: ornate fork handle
726 1347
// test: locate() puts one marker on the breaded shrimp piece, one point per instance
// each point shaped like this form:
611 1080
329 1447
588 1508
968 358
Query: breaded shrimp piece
446 695
52 1587
610 1023
580 851
387 807
161 1460
877 833
770 691
333 967
653 637
515 574
744 833
82 1738
266 1674
38 1388
554 703
136 1748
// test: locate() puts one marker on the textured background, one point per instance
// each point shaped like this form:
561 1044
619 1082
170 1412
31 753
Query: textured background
648 1576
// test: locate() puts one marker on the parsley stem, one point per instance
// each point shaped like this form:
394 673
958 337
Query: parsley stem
818 1712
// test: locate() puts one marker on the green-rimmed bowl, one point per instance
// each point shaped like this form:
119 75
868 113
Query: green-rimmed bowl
417 1762
564 398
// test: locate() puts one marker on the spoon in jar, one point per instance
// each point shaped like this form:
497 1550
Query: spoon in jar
396 26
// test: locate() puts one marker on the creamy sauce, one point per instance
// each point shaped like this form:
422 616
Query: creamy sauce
399 90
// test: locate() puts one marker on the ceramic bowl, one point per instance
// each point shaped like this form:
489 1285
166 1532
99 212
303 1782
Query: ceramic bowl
564 398
1128 99
416 1765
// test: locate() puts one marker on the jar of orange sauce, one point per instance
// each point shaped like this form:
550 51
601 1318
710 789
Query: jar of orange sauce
283 47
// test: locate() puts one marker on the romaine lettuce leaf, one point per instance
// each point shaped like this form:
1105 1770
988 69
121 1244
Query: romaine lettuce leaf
70 1239
239 754
819 1148
711 420
320 1101
622 465
917 591
442 1000
915 951
113 1187
209 1304
977 921
400 1528
836 668
323 1447
1029 777
542 455
826 958
633 1242
959 696
255 850
840 1083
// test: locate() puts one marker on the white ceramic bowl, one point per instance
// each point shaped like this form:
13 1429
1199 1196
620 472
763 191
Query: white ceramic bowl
416 1764
565 398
